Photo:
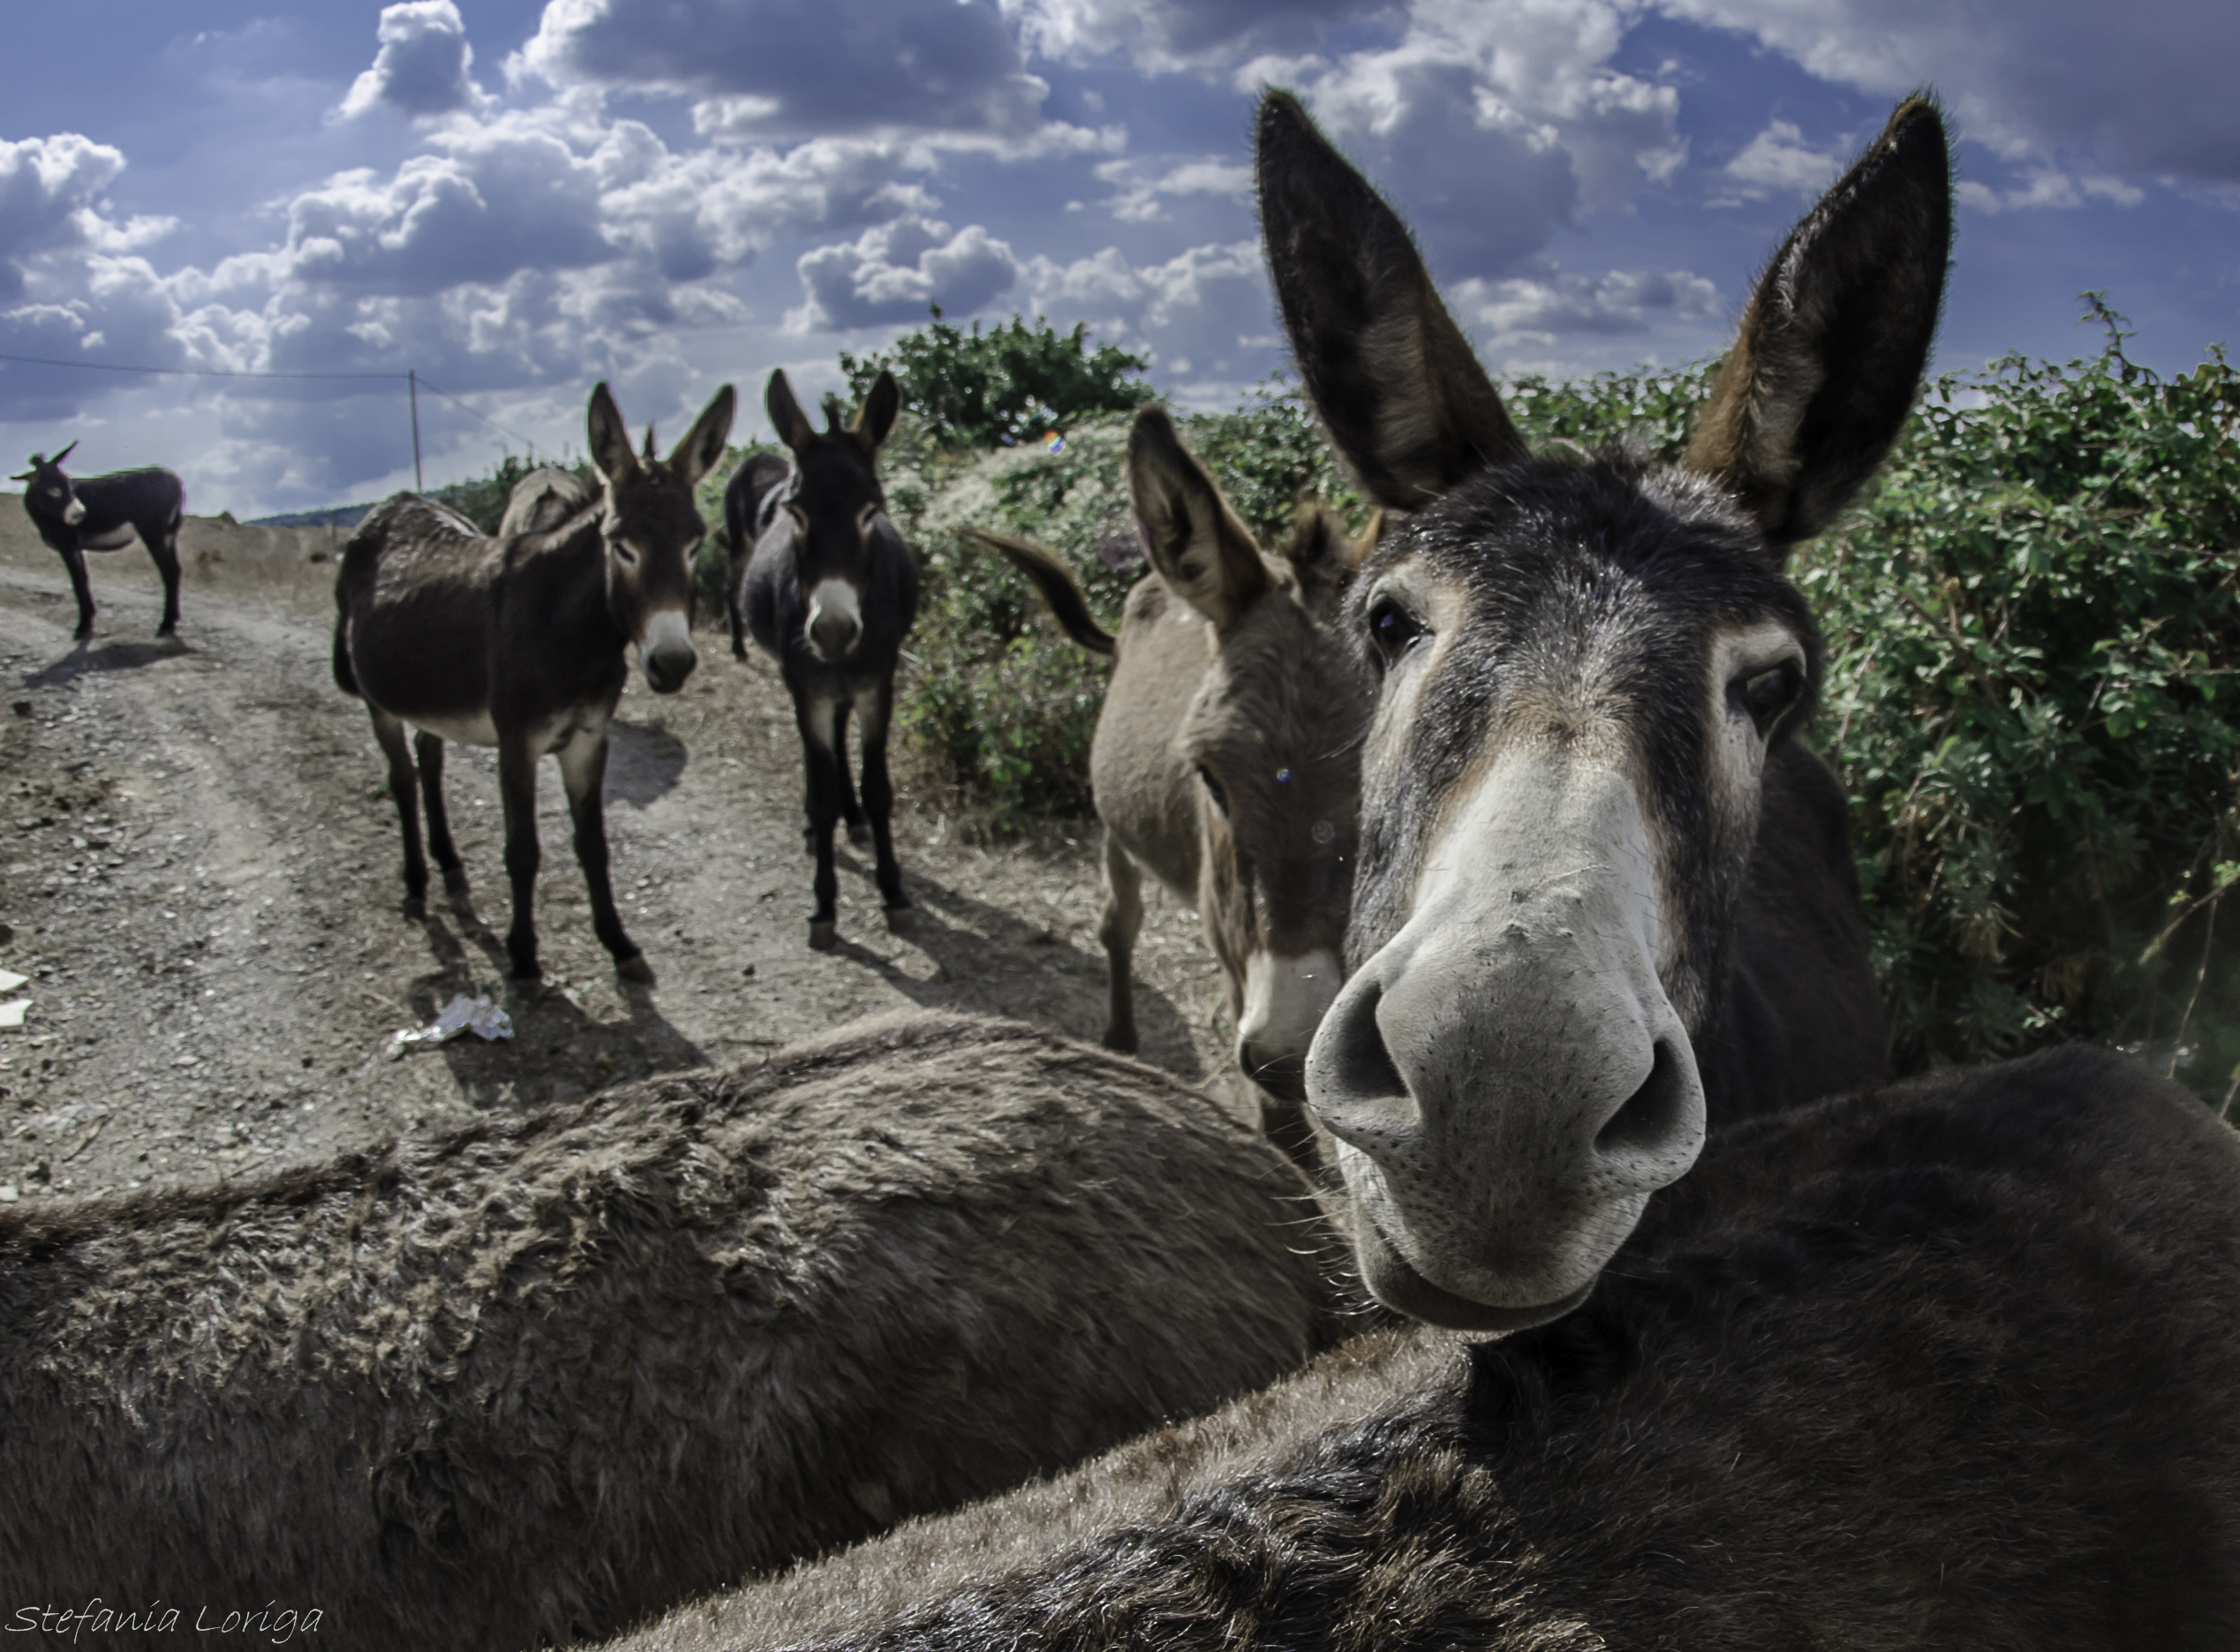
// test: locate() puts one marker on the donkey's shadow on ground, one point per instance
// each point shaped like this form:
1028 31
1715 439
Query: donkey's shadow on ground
556 1049
89 659
644 761
991 959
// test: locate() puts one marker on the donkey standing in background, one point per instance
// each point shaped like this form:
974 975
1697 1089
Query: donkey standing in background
542 499
522 643
1227 760
1596 864
829 591
752 489
102 513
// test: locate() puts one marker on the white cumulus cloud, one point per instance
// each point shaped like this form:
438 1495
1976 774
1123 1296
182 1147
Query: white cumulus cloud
895 272
423 67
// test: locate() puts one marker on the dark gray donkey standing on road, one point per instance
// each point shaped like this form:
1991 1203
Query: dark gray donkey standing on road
102 513
522 643
1595 861
829 591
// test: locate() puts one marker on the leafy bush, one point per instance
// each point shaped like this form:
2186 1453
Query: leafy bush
2034 637
1004 385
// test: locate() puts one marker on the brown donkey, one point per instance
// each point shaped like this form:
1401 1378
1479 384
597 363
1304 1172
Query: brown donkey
1597 870
522 643
1226 756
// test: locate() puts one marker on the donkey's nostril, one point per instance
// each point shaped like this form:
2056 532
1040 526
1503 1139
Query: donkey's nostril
1655 1117
1352 1082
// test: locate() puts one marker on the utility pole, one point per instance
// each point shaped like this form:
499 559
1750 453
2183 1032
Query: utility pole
412 378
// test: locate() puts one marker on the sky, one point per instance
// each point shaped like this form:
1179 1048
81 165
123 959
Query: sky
516 199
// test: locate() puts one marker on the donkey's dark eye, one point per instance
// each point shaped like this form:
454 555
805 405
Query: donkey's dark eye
1392 629
1213 790
1767 695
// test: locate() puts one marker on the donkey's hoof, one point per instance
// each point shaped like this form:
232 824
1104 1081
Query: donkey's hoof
824 934
455 880
635 967
859 833
415 907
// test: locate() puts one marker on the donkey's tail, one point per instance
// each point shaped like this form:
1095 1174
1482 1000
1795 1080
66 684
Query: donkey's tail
345 677
1047 572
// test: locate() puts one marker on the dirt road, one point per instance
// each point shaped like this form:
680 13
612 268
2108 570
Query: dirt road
199 869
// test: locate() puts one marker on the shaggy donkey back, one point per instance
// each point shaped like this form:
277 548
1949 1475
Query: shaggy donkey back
533 1379
1950 1364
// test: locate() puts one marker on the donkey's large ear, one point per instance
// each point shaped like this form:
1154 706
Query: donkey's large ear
1324 555
609 436
65 453
702 448
786 416
1393 378
1830 353
876 418
1201 550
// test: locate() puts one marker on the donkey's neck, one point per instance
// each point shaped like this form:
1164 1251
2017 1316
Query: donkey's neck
577 591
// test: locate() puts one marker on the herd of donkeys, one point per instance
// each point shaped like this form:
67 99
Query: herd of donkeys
944 1332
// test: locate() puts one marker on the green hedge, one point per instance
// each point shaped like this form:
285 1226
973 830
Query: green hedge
2034 633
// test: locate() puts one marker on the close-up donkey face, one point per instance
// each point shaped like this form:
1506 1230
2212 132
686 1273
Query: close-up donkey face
1583 664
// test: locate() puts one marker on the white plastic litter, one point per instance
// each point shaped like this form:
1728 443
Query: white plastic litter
477 1015
10 980
12 1012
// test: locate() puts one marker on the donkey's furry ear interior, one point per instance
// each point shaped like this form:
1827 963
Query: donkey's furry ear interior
786 416
1390 375
1831 350
702 448
1322 555
875 419
608 437
1206 556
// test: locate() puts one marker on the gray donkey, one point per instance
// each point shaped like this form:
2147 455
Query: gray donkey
1226 756
535 1378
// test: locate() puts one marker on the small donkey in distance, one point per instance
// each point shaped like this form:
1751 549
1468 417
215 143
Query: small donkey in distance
103 513
522 643
829 591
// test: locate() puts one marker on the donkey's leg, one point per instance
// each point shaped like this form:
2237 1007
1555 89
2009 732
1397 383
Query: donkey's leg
851 810
819 719
403 790
1121 920
874 708
517 790
737 614
73 559
429 749
583 771
165 548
